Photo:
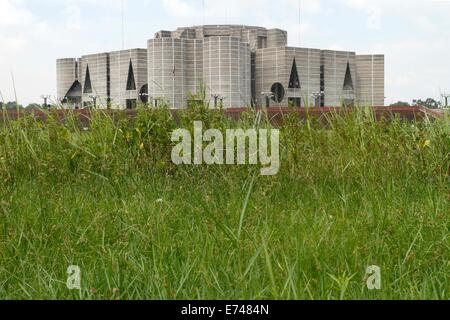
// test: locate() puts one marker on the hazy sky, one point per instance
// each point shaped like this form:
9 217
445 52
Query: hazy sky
414 35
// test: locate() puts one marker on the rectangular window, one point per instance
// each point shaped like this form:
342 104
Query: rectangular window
295 102
262 42
131 104
322 86
108 77
253 78
88 104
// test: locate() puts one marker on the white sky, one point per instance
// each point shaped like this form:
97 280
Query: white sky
413 34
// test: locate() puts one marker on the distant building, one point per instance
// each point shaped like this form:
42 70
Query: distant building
238 65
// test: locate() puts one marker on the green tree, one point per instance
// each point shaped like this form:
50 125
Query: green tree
34 106
429 103
12 106
400 104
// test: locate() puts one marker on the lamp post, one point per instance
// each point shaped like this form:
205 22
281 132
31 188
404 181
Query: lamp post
45 98
216 99
317 96
268 96
445 97
94 99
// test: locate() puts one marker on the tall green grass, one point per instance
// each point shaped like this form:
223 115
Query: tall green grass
351 193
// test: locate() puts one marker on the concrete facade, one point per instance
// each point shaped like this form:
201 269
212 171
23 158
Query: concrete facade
94 79
275 65
105 76
227 70
68 80
124 66
175 66
239 65
370 79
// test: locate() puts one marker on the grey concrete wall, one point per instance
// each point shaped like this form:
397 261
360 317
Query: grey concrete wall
275 65
270 68
370 71
166 70
335 67
256 37
98 73
308 67
176 68
67 72
193 67
276 38
119 68
226 62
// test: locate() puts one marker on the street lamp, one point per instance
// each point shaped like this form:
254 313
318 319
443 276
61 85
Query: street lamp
268 96
94 99
45 98
216 99
317 95
445 97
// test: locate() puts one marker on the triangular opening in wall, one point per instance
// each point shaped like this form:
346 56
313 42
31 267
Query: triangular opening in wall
348 82
87 81
131 82
74 91
294 81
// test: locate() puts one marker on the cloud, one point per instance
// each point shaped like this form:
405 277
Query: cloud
21 33
426 24
12 44
239 9
15 21
374 18
13 13
19 26
179 8
412 34
73 18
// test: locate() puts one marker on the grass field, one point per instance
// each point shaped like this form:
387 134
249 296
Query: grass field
350 194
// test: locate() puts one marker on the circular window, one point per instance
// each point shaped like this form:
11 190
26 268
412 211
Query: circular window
278 92
143 94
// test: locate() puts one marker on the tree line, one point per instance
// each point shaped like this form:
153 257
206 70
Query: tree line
429 103
11 105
